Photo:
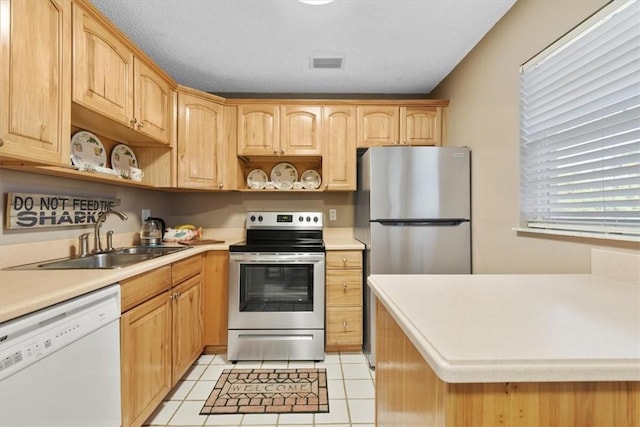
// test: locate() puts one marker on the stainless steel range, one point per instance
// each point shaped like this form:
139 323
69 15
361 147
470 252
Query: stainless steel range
276 288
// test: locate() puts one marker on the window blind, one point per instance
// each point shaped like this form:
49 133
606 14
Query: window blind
580 127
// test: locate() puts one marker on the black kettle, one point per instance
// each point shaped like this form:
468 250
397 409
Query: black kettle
152 231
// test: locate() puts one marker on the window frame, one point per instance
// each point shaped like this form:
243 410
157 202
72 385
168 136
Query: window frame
606 227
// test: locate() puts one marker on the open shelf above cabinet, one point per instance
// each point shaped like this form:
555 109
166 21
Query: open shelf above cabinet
267 164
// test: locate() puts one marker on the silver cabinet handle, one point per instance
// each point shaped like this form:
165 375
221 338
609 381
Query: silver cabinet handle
140 125
220 186
282 151
275 151
344 261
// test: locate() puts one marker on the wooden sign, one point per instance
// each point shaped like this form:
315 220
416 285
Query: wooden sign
26 211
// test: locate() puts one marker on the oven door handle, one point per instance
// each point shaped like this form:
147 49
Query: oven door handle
278 259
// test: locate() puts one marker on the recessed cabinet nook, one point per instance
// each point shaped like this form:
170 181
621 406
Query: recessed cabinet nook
183 139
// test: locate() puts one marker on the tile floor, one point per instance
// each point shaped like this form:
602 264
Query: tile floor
350 385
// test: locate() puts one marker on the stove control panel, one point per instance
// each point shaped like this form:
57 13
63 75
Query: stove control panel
285 220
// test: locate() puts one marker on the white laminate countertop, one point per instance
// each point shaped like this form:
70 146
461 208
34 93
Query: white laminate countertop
25 291
518 328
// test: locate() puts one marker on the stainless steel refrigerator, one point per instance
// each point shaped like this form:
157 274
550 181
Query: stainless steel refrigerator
413 215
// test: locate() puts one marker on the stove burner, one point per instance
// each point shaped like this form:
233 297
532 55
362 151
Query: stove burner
282 232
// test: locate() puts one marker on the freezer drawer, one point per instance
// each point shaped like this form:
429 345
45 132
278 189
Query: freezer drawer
404 248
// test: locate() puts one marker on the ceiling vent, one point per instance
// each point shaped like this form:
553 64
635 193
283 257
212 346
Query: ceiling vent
327 63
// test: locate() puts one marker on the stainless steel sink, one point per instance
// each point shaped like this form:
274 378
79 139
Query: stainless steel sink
106 260
117 259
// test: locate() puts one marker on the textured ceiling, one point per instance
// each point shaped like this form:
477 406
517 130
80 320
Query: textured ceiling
264 46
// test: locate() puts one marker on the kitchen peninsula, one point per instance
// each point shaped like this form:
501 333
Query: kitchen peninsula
508 350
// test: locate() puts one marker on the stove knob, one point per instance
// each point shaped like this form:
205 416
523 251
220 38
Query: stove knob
300 218
308 219
260 218
253 218
315 219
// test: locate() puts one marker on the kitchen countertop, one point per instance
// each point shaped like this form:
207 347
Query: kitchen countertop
518 328
25 291
340 239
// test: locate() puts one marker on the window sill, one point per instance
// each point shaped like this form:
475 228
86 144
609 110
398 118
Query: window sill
573 233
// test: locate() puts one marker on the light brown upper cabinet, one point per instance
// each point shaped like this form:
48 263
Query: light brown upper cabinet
279 130
201 148
109 79
300 130
35 77
404 125
339 148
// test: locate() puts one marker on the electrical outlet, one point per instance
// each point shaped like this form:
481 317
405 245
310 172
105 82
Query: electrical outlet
146 213
333 216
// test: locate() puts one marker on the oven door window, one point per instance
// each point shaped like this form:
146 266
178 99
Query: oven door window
276 287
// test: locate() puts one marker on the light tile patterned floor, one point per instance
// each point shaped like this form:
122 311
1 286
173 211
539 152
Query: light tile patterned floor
350 383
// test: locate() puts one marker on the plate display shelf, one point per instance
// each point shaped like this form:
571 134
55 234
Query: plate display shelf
301 165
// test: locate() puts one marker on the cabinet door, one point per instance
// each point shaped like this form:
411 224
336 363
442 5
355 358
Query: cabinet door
344 287
153 102
344 328
200 143
339 148
300 131
187 325
215 298
421 125
102 69
344 260
258 130
378 125
35 77
145 358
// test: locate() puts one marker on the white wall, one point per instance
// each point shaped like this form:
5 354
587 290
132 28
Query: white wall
209 210
131 202
484 114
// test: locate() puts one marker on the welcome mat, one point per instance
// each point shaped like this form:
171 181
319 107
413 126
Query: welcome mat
270 391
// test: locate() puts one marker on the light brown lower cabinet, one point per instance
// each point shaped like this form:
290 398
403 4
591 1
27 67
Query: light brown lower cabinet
215 300
160 334
409 393
343 301
145 358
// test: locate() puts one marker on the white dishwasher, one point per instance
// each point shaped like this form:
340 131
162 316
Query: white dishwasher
60 366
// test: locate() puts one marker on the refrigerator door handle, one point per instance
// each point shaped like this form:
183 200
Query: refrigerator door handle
419 223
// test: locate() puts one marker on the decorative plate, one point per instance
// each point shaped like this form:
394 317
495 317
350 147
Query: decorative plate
311 179
257 179
284 175
87 151
123 159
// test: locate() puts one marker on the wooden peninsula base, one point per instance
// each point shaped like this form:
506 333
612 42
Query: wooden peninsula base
409 393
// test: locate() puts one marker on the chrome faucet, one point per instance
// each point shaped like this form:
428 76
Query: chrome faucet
97 245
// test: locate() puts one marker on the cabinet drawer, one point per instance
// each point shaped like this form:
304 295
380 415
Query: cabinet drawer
186 268
344 326
344 259
344 287
143 287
